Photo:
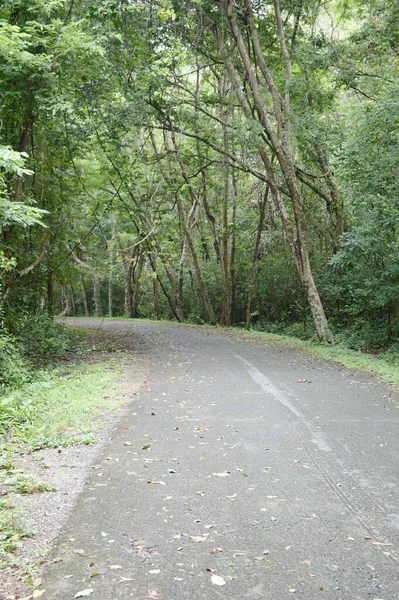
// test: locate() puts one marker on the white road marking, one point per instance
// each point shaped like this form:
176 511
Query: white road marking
269 387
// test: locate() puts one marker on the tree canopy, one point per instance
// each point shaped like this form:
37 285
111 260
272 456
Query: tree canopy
210 161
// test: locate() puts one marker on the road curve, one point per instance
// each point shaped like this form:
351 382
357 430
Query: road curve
244 470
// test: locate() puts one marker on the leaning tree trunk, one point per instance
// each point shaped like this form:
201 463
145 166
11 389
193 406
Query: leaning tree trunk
279 139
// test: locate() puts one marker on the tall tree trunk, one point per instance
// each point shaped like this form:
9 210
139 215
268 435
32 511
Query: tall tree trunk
262 213
155 291
136 289
225 314
84 296
233 289
50 286
96 295
112 254
128 310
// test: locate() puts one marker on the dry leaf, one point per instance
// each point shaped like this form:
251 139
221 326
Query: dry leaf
84 593
379 544
217 580
198 538
36 582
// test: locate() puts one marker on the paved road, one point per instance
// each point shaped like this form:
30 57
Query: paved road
244 464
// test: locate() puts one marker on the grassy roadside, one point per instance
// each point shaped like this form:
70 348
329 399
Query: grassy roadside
64 405
385 364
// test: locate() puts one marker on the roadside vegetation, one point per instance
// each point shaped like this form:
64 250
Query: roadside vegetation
50 400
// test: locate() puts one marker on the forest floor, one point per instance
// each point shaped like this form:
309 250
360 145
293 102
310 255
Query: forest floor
241 469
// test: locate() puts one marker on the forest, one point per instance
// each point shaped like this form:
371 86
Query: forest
231 162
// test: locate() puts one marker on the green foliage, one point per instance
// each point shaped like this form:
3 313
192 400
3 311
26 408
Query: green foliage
13 368
13 163
42 340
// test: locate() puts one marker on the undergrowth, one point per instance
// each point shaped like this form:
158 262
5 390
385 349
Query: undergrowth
73 396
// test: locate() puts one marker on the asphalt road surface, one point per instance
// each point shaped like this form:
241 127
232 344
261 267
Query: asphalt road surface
244 470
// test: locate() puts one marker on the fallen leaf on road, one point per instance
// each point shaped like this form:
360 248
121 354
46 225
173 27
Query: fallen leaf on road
36 582
38 593
146 447
216 550
379 544
79 551
198 538
217 580
84 593
153 594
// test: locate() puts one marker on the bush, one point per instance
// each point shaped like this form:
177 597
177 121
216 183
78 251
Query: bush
364 336
42 340
13 368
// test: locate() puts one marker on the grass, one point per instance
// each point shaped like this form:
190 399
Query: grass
384 364
74 396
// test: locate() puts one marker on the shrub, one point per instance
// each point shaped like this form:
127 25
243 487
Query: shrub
42 339
13 368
